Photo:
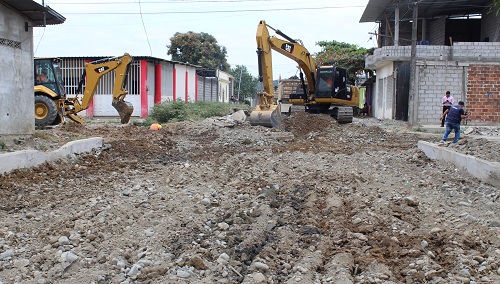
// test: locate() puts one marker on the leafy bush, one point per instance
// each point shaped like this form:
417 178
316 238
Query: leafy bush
170 112
179 111
202 110
143 122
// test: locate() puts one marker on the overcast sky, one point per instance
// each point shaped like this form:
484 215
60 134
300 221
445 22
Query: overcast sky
144 27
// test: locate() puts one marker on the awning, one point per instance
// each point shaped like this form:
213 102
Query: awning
379 10
38 14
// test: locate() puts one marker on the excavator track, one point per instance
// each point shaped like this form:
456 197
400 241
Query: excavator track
342 114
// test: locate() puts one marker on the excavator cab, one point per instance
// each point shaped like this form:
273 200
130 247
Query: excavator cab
332 83
334 94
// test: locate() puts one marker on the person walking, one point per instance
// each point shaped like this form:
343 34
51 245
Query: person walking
454 116
447 101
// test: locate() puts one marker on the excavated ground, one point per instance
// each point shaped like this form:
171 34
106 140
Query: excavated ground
200 203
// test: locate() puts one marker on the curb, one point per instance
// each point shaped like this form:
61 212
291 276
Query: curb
31 158
488 172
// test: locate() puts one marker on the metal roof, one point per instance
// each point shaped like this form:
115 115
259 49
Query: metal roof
134 57
379 10
39 15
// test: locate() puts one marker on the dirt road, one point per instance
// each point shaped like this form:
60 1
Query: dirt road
199 203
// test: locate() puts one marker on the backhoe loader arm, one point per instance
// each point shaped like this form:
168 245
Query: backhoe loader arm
94 71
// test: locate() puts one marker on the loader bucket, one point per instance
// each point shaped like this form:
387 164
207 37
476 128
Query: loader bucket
269 117
125 110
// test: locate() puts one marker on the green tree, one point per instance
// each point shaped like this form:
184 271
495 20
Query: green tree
244 82
345 55
198 49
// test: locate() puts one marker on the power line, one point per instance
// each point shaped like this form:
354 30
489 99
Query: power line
159 2
40 40
164 2
214 11
144 26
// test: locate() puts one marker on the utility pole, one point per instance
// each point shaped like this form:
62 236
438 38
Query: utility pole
413 63
396 25
239 84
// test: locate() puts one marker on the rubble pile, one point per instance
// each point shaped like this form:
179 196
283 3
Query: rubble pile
205 202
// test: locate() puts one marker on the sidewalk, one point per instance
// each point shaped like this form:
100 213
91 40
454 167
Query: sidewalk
488 132
30 158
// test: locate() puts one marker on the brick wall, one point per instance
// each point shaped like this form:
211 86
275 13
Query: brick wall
483 92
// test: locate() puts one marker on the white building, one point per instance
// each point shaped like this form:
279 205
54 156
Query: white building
151 81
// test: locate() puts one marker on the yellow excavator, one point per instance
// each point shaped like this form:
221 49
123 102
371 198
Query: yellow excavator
51 103
327 89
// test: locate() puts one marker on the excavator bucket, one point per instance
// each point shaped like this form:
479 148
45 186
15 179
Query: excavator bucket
269 117
125 110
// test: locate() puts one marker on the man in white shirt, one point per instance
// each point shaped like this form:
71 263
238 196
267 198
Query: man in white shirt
447 101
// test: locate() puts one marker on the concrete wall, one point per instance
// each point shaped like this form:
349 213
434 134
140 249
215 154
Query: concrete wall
16 75
383 99
475 84
480 52
224 91
167 90
441 69
151 85
437 31
185 72
434 79
490 27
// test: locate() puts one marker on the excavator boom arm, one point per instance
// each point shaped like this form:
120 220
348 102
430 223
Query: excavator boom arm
328 89
289 48
267 112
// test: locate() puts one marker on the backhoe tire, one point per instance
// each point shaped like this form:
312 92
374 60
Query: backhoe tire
45 110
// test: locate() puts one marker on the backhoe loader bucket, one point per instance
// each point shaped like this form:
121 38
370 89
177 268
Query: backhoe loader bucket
125 110
269 117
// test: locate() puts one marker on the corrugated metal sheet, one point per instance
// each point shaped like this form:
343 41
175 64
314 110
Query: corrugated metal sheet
378 10
38 14
147 58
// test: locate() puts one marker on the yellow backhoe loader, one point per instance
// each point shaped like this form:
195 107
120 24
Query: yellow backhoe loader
51 103
327 89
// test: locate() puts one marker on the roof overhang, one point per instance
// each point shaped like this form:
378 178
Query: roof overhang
380 10
39 15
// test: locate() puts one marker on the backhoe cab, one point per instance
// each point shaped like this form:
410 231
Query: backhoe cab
49 91
52 105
